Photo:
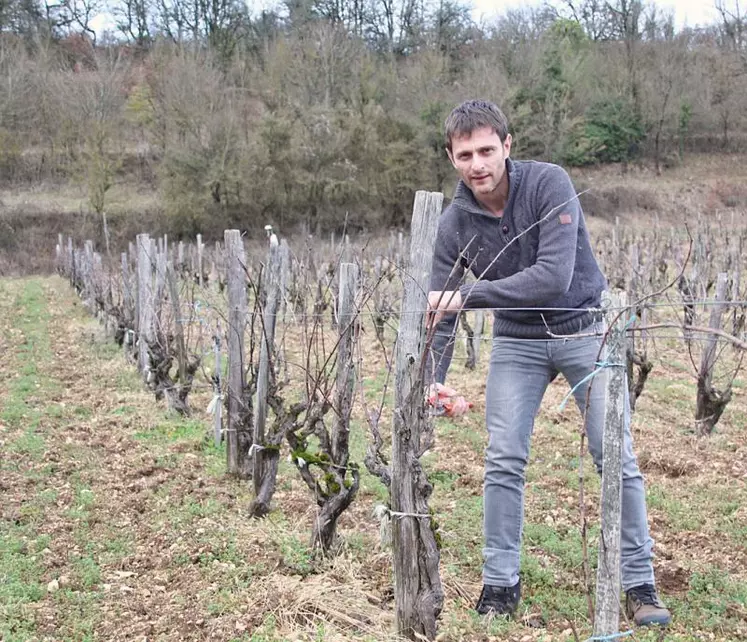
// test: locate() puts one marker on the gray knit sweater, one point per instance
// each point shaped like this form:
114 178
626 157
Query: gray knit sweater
550 265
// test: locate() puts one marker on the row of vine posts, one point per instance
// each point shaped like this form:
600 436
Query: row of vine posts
156 312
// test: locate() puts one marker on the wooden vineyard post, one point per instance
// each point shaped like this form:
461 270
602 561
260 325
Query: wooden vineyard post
145 302
217 386
418 593
59 256
128 307
272 285
88 288
607 612
200 248
479 332
347 316
70 261
182 358
238 438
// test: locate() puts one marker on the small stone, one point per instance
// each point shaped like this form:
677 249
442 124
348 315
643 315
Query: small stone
53 586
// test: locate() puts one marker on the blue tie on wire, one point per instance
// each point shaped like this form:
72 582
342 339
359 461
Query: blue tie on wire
610 638
600 365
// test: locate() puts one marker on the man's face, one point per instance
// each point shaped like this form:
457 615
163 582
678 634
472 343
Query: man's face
480 159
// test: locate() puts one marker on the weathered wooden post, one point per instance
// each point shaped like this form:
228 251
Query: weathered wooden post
347 315
272 284
607 612
238 435
88 286
215 268
99 297
128 306
145 302
736 262
59 256
285 277
161 267
200 248
479 332
217 387
418 593
128 300
70 260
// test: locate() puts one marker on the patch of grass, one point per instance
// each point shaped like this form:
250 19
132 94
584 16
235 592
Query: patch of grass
716 600
183 511
460 529
443 479
128 380
672 392
266 632
174 431
106 350
475 439
81 511
215 459
21 408
222 601
83 412
47 496
564 546
79 611
123 411
20 584
297 555
87 572
373 387
681 516
30 444
116 546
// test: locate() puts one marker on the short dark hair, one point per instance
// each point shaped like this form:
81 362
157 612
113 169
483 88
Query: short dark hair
472 115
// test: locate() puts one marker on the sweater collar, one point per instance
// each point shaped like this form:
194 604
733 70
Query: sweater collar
465 200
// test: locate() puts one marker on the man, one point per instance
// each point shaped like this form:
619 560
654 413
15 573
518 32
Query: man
518 226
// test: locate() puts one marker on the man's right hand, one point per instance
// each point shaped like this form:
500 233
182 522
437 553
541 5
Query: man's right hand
446 401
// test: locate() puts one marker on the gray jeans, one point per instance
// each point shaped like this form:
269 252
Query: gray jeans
520 371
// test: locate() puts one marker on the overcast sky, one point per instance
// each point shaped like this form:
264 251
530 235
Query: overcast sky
686 12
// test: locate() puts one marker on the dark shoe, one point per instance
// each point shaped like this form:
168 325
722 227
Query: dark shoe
644 607
499 600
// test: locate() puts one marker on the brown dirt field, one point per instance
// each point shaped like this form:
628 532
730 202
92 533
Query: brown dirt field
123 519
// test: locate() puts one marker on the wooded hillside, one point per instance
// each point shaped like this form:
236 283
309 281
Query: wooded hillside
326 113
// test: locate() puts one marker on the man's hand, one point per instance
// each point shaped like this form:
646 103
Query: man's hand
441 303
446 401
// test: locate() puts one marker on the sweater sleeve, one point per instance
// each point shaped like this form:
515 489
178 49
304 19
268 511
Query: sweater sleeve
557 214
446 274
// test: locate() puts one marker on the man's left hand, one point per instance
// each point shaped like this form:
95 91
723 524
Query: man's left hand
441 303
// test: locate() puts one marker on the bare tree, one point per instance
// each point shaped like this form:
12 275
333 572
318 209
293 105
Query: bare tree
133 19
595 16
733 26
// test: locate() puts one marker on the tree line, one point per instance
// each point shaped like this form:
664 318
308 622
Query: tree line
327 113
